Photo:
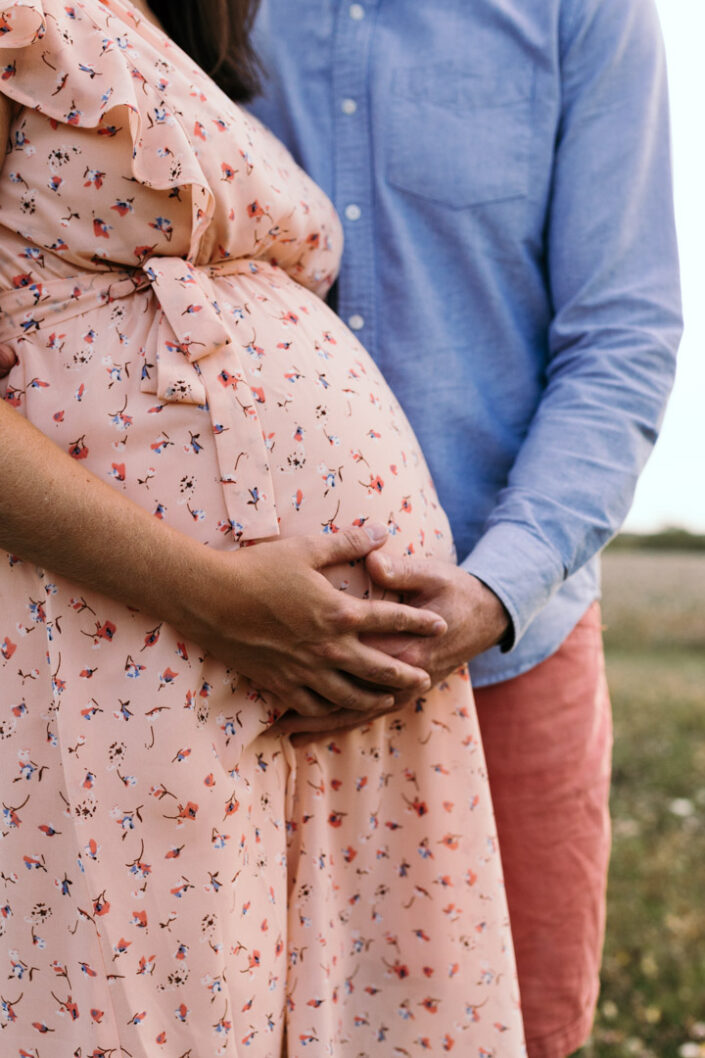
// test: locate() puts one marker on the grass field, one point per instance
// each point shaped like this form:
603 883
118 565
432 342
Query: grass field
653 992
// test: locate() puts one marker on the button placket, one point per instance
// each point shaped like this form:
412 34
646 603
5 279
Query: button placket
353 182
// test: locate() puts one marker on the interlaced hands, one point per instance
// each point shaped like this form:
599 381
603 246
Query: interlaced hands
277 619
474 616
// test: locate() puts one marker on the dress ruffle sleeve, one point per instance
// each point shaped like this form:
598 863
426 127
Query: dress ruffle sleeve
51 64
21 24
99 65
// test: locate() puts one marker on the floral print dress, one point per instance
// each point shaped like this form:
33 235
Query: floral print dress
175 878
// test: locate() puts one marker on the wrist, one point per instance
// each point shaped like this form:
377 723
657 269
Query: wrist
195 575
494 616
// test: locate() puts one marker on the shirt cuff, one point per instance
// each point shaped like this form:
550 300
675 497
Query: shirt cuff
520 569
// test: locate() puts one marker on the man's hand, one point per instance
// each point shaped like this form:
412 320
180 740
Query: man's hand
475 616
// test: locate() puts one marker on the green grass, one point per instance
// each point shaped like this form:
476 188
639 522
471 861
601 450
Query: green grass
674 539
653 983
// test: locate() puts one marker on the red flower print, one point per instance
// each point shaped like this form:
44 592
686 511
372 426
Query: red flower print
187 811
101 229
78 449
7 648
101 906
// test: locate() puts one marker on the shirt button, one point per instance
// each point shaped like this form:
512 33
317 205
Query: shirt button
357 12
348 106
353 211
356 322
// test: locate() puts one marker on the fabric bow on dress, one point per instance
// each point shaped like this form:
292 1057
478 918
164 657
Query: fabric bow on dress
197 362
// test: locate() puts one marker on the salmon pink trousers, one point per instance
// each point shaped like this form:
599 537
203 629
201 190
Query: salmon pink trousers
548 741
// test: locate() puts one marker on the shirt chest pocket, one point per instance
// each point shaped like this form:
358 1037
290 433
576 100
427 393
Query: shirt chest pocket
457 137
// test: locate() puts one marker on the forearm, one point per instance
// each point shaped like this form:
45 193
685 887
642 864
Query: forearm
612 269
574 478
58 515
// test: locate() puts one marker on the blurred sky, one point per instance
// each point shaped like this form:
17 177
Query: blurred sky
672 488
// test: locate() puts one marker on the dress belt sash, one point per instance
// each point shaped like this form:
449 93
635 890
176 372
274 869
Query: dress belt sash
196 361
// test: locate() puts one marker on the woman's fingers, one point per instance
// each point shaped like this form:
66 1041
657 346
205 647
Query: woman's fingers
307 703
304 728
348 694
380 669
341 692
394 644
333 694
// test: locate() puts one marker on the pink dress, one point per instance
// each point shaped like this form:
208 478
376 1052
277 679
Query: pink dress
175 879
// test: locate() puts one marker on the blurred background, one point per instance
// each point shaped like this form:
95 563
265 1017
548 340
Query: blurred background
653 983
671 489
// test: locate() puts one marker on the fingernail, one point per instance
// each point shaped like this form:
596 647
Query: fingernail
388 703
439 626
376 532
385 565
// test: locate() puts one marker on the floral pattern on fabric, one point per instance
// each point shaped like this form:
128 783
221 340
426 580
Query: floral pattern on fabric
175 878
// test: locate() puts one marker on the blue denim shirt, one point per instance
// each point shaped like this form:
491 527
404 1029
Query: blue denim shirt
502 171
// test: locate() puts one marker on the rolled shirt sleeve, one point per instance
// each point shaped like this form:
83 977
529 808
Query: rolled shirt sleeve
612 270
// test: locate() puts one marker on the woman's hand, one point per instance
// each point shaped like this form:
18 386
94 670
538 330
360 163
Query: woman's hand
303 729
7 360
266 611
269 612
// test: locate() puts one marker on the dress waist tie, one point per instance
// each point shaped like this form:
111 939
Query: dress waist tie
196 361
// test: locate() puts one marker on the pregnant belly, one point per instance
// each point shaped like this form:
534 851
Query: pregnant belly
339 448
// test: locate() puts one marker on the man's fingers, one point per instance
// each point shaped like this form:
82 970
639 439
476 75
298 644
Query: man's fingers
348 544
405 574
388 618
